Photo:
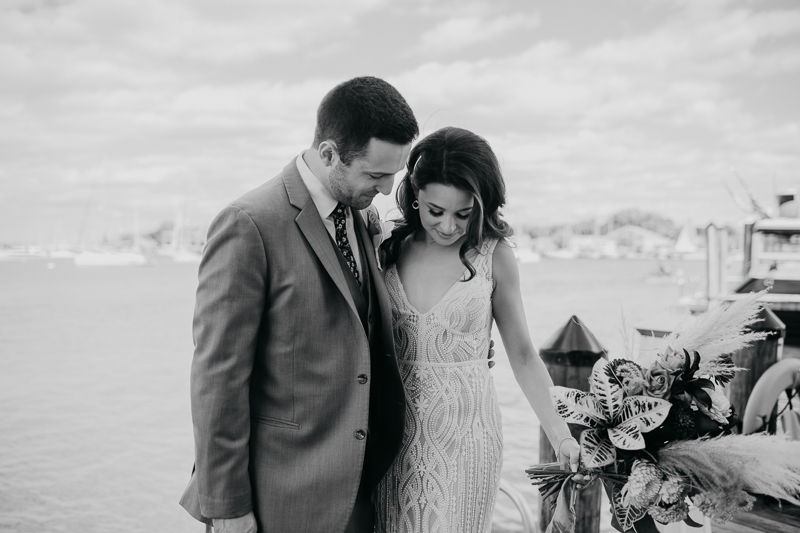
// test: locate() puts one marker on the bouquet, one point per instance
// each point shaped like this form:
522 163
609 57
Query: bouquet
658 432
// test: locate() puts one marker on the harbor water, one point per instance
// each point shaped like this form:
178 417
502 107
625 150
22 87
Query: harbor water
95 431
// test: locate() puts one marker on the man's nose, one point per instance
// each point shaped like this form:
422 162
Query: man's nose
385 184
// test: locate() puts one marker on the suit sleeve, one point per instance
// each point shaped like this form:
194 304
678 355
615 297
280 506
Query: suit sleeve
228 312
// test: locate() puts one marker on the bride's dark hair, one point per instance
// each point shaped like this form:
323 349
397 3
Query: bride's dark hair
461 159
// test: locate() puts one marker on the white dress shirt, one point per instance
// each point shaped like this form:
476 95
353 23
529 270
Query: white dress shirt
325 205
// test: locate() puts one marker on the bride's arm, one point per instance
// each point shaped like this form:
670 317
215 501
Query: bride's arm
529 369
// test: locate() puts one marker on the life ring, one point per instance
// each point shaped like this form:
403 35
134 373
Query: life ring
784 374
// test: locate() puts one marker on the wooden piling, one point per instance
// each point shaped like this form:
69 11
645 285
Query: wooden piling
569 354
756 358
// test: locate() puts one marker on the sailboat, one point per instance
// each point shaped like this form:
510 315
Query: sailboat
685 248
178 251
111 257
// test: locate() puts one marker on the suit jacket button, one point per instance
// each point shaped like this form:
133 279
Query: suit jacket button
360 435
362 378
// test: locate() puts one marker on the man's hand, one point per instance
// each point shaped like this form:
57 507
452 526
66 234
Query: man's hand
242 524
491 353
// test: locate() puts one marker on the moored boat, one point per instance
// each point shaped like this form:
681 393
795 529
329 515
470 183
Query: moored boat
772 261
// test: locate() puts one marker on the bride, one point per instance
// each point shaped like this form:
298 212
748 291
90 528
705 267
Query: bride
450 272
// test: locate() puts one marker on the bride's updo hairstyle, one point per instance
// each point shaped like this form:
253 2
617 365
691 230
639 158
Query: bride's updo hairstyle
460 159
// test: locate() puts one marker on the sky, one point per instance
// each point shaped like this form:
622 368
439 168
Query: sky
114 114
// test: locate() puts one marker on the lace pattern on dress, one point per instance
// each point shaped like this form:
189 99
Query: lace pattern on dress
446 476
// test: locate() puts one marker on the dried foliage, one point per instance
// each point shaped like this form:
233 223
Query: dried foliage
720 331
628 338
639 415
765 464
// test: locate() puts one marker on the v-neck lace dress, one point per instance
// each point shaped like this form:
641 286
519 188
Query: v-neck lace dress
446 476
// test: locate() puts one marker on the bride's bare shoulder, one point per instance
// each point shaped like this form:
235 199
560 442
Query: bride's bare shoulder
504 262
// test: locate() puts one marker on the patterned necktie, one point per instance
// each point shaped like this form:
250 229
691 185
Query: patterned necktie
342 242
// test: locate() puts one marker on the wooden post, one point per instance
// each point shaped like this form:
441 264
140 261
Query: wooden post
747 245
723 260
756 359
713 267
569 356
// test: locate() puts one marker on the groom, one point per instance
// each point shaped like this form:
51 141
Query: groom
297 402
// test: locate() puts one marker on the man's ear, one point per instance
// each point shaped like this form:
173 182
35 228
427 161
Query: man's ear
328 154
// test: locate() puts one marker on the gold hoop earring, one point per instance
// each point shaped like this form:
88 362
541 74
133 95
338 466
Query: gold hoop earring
415 204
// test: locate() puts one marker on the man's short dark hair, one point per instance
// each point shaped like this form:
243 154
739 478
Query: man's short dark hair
360 109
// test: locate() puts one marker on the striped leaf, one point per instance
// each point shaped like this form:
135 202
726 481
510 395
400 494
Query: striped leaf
639 414
626 436
577 407
625 515
596 449
648 413
606 389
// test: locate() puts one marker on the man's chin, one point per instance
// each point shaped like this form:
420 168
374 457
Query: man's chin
362 203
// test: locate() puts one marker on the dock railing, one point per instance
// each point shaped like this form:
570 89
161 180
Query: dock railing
528 522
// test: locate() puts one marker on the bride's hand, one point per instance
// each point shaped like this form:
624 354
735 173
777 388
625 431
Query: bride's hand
569 453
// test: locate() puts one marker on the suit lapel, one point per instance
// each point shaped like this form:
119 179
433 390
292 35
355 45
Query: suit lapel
377 278
310 224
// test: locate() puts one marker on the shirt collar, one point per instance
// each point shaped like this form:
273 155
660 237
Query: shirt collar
319 194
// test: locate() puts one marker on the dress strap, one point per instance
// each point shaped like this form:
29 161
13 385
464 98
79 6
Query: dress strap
483 264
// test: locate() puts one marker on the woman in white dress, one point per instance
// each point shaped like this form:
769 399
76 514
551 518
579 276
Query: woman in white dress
450 272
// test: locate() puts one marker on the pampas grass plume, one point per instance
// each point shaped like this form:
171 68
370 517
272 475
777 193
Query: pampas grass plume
760 463
719 331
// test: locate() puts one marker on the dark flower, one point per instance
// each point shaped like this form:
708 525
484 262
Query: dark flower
679 425
629 375
690 387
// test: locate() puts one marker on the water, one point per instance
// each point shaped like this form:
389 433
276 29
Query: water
95 431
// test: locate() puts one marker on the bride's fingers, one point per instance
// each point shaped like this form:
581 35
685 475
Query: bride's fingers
573 459
583 481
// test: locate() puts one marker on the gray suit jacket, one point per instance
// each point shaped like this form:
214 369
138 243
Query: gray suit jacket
277 387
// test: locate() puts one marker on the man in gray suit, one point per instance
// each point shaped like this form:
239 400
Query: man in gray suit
297 402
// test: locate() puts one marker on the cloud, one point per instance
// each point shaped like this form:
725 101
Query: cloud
458 33
658 113
154 103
